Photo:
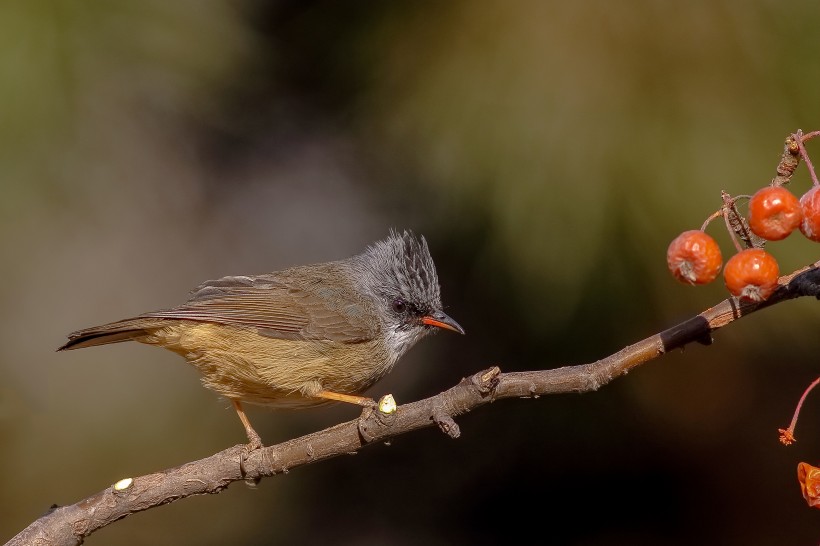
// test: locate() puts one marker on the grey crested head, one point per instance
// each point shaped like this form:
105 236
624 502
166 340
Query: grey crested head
399 273
401 265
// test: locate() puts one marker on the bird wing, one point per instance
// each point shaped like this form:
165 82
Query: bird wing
289 304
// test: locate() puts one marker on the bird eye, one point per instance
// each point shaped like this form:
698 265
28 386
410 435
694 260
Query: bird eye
399 306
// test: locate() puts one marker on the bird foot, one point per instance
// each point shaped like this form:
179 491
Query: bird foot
255 442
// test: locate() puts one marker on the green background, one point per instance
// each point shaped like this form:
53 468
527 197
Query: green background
548 151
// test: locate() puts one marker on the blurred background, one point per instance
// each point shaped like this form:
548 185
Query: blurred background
548 151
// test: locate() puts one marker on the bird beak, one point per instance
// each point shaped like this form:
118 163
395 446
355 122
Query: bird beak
439 319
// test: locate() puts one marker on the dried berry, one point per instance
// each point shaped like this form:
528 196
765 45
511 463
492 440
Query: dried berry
694 257
751 274
774 212
810 203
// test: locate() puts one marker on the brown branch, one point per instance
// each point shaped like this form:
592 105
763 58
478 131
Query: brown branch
69 525
789 161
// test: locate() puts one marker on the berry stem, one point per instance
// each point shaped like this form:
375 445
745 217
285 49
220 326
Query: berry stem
734 223
787 435
799 138
732 234
714 215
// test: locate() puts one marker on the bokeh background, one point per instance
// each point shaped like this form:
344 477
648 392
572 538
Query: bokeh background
549 151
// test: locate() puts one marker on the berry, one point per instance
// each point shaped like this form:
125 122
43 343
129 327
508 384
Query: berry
810 203
774 212
694 257
751 274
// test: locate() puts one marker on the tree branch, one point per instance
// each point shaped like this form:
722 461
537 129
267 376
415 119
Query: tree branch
69 525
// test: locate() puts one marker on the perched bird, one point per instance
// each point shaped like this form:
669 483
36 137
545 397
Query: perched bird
302 336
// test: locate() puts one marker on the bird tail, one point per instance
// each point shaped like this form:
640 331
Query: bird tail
114 332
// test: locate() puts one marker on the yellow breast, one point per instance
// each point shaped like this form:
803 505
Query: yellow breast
240 364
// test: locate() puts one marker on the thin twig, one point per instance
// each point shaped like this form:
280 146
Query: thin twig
800 138
737 225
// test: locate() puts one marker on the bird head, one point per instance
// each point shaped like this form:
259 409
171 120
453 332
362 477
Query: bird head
399 274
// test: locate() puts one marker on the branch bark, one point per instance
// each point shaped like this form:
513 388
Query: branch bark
69 525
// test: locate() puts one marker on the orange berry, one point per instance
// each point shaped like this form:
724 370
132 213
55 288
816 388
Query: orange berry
810 203
694 257
751 274
774 212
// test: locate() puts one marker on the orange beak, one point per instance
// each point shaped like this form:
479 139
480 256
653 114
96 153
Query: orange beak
439 319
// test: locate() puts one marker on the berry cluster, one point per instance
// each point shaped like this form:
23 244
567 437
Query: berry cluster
774 213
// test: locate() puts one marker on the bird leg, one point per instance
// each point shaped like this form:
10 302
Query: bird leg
349 398
255 442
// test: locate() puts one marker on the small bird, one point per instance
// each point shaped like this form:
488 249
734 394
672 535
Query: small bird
302 336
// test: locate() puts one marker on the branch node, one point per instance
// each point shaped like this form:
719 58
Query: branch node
244 452
121 486
371 420
386 419
447 424
487 381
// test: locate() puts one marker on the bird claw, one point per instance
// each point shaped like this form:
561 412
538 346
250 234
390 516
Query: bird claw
247 449
368 410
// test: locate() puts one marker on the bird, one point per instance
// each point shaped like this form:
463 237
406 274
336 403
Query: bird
300 337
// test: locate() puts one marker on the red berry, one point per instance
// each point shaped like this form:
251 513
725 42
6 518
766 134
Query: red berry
694 257
810 202
774 212
751 274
